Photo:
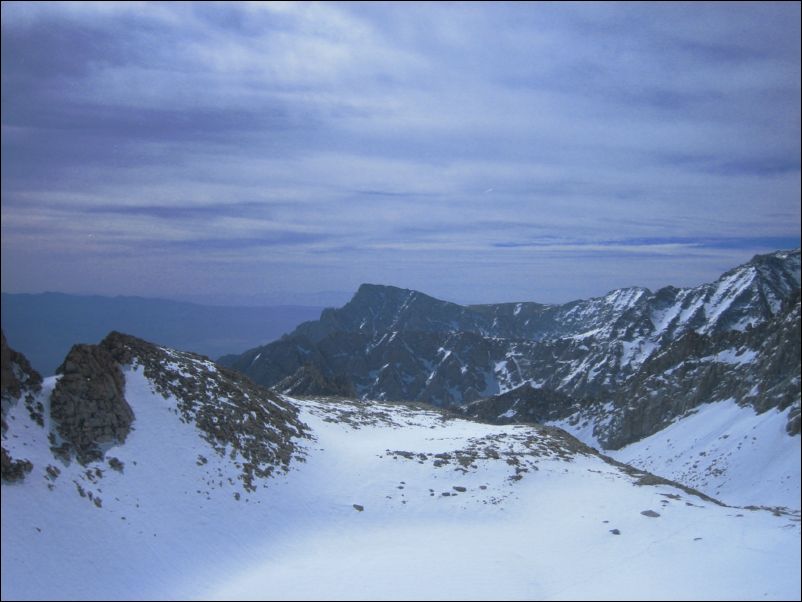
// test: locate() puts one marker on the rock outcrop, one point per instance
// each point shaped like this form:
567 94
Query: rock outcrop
88 403
20 383
90 411
18 377
759 367
232 413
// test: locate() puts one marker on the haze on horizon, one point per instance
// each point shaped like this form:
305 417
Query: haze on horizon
478 152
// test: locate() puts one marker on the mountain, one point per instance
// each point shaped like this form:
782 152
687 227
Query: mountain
758 366
720 412
45 326
614 370
396 344
155 474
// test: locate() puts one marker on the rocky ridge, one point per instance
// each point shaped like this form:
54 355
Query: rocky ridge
89 413
525 403
393 344
233 414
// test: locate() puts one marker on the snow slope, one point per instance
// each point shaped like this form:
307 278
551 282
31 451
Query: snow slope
528 514
727 451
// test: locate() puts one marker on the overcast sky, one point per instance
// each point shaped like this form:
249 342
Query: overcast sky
477 152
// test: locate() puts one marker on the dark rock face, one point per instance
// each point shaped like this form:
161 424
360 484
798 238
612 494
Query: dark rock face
13 470
247 424
309 381
17 374
395 344
88 403
250 425
19 382
794 421
523 404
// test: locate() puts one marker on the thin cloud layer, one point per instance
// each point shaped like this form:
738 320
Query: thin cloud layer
478 152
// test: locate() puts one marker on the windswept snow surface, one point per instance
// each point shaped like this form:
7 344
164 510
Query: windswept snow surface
366 517
726 451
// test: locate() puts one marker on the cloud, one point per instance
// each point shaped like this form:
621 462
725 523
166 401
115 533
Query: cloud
369 142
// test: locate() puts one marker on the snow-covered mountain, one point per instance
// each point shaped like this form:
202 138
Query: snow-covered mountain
154 474
613 370
398 344
719 412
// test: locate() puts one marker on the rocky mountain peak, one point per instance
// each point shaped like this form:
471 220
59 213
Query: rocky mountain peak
395 344
368 293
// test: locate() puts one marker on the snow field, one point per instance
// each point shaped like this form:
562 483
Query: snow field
545 535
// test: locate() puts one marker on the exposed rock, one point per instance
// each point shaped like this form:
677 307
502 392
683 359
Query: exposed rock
793 425
232 413
19 382
523 404
18 376
243 422
309 381
13 470
758 366
88 405
650 513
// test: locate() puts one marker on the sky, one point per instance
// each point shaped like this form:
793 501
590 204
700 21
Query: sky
286 153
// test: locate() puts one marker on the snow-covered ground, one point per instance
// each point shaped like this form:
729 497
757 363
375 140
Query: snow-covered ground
528 515
727 451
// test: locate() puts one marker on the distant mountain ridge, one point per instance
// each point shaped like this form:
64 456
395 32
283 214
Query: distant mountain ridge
44 326
397 344
741 296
